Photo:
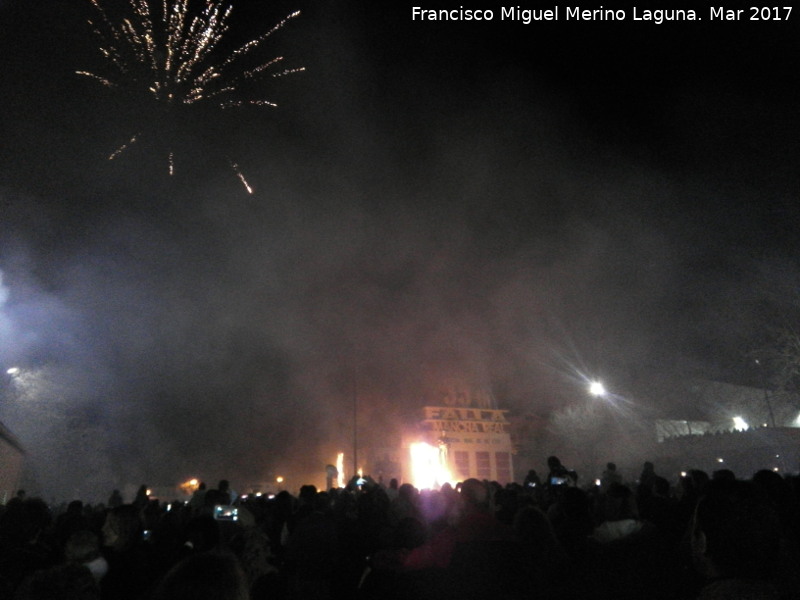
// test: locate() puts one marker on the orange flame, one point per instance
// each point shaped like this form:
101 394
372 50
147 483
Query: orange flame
429 468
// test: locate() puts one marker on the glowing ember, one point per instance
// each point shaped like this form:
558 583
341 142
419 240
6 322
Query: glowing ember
188 487
429 468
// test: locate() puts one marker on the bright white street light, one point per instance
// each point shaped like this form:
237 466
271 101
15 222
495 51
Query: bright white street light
739 424
597 389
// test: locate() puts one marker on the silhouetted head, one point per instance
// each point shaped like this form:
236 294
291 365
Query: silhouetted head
725 474
735 531
475 494
660 486
308 494
24 519
123 527
693 485
407 491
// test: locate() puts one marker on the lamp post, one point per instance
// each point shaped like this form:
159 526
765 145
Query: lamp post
596 390
766 395
355 421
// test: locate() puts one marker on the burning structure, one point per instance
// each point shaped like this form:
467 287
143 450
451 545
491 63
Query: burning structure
458 434
474 441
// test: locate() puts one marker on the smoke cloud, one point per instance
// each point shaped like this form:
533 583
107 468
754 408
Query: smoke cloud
427 210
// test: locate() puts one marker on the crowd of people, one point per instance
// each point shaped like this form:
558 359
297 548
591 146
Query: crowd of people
707 536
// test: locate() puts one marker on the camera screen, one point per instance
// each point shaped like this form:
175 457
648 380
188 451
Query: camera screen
226 513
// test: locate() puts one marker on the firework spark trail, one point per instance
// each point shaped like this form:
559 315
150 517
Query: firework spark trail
170 57
123 147
110 53
239 103
102 80
241 177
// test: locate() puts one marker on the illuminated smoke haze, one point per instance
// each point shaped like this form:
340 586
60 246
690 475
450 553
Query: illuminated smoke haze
425 209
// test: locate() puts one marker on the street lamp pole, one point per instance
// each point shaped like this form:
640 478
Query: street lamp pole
766 394
355 421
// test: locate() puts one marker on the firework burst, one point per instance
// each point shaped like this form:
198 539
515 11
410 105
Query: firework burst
174 57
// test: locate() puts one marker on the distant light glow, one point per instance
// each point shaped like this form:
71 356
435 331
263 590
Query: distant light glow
597 389
189 487
739 424
340 469
719 460
279 479
15 371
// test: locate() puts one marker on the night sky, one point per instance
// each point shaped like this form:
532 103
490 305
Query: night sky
510 206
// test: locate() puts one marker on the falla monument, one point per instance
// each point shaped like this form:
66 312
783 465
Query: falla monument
471 431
